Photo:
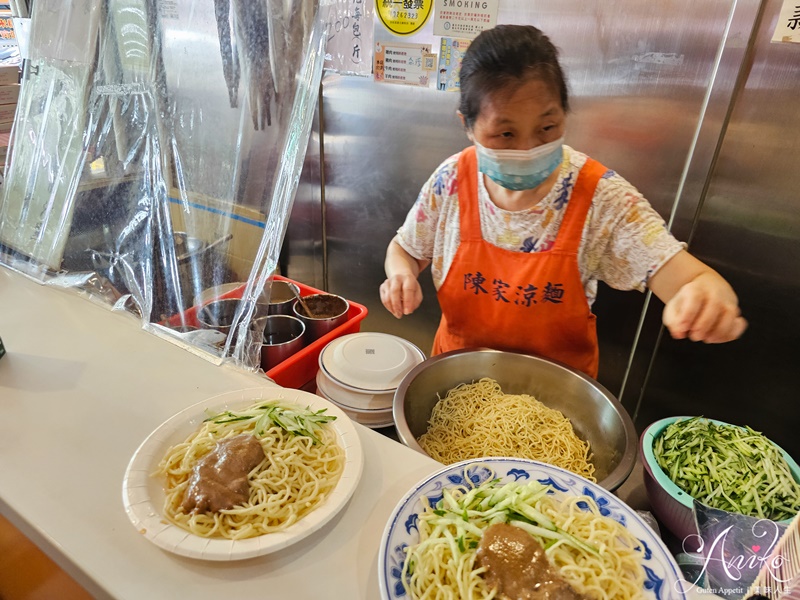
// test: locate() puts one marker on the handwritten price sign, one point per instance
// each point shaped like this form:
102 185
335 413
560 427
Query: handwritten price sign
348 29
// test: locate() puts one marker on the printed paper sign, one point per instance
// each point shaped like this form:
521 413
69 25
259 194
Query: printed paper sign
8 39
788 27
451 51
402 63
464 18
403 17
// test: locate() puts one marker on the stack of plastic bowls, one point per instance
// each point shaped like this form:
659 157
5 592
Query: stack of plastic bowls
360 372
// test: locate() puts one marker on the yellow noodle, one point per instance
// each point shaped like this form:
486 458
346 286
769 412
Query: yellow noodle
477 419
437 567
295 478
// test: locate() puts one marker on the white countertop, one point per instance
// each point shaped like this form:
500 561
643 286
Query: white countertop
80 388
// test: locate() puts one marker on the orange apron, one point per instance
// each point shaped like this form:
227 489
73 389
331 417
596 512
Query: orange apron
517 301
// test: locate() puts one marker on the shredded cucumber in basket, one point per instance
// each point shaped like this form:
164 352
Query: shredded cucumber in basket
728 467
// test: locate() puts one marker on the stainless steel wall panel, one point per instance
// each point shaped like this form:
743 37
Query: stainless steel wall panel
639 77
728 71
381 144
652 86
303 252
748 229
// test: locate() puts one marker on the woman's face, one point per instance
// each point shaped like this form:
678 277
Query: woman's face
520 119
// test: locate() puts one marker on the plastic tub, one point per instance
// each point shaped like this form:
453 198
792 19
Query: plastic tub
361 401
369 362
670 504
374 419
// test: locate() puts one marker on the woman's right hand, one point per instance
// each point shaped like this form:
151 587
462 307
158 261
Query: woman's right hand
401 294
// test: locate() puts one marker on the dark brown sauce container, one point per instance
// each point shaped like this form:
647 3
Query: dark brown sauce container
328 312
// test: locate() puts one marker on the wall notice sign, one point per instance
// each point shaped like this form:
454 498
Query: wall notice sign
464 18
451 51
403 17
788 27
407 64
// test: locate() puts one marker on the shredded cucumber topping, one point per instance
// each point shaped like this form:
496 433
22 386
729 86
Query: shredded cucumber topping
462 519
728 467
295 420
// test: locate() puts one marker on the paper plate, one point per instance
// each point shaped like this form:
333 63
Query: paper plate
143 495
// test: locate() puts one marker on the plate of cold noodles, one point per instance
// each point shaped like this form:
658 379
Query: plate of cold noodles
243 474
515 528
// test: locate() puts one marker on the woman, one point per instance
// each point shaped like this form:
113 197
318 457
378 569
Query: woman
519 228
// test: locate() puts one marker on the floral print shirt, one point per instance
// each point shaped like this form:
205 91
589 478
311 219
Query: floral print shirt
624 242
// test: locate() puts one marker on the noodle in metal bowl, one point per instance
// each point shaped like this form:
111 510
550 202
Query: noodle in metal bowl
478 419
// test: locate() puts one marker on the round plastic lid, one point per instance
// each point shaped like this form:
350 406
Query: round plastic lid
370 361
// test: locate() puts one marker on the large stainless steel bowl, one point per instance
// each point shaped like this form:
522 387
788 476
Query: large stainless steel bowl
596 415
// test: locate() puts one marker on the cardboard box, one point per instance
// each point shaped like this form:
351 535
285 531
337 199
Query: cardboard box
9 94
9 74
4 139
7 112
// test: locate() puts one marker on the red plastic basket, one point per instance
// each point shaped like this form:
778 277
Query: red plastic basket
300 368
189 316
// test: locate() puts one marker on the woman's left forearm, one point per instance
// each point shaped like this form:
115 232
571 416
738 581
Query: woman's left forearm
699 303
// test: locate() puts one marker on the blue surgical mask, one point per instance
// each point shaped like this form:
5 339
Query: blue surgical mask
520 169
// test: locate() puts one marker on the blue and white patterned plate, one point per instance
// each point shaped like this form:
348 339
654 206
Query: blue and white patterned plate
662 576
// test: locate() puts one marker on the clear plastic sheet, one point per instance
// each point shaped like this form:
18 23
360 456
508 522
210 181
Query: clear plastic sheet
156 152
